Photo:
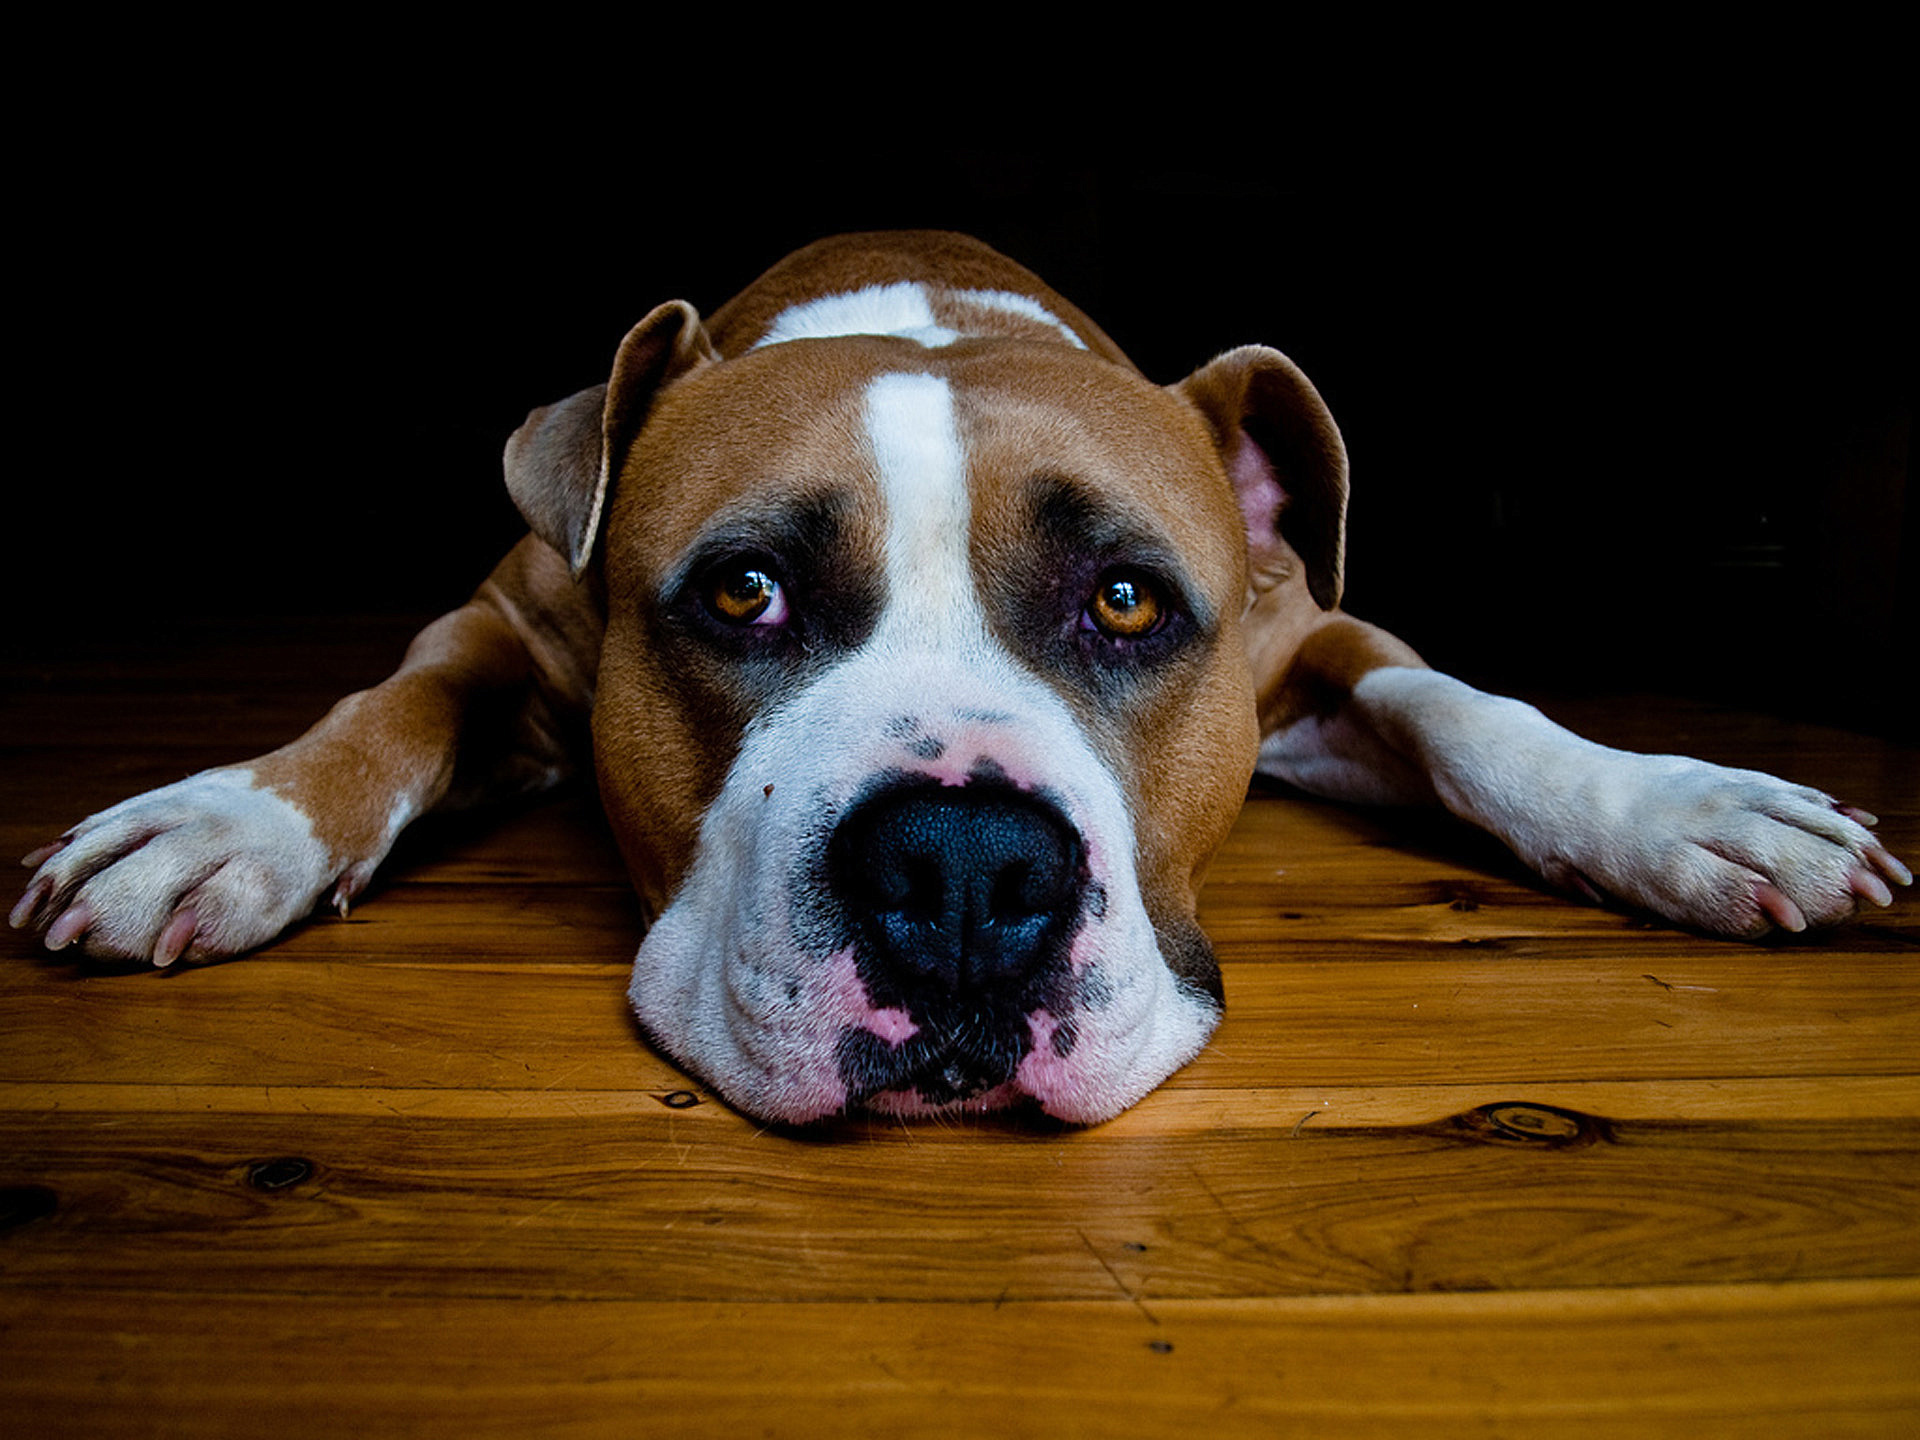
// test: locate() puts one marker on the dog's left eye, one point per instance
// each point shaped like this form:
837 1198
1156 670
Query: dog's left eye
745 593
1125 605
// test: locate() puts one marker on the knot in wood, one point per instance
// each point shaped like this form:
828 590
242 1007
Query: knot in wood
1535 1124
278 1174
23 1204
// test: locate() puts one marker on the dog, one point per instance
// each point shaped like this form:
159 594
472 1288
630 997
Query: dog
927 651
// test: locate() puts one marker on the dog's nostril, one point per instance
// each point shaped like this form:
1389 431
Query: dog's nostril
1008 900
958 888
914 888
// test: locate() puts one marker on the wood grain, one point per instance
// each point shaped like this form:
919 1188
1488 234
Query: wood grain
1464 1159
1818 1360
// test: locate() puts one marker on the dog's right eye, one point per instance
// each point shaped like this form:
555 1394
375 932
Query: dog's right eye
1126 605
744 593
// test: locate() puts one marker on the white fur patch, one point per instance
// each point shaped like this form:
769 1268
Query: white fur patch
243 858
905 311
1690 840
1025 306
900 310
923 483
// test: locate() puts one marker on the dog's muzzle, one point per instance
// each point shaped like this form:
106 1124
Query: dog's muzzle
916 894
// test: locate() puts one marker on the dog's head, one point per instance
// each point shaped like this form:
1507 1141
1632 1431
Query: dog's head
924 702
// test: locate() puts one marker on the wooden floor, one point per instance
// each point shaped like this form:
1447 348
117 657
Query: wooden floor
1464 1158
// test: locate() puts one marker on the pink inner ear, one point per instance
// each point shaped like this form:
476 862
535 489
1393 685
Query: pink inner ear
1261 498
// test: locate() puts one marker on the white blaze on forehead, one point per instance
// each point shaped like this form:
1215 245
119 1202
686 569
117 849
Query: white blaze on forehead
922 468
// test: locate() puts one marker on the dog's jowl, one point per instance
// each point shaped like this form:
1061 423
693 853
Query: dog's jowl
928 650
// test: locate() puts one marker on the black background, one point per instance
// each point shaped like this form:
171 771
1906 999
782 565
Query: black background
1630 413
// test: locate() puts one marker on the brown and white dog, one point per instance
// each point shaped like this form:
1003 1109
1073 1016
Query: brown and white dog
928 650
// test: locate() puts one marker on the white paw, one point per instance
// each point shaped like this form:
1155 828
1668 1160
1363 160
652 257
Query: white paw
1736 852
213 865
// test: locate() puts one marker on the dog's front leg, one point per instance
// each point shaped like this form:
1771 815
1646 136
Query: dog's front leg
1734 852
223 861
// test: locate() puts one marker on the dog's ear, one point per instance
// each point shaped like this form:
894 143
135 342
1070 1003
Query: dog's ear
1285 457
561 462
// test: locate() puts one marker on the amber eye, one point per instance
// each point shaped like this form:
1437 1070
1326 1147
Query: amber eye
745 594
1125 605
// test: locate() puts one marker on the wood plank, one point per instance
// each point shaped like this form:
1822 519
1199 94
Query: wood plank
1173 1109
1509 1197
1823 1361
497 993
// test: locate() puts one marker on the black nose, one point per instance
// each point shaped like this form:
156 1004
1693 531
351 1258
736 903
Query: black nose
958 889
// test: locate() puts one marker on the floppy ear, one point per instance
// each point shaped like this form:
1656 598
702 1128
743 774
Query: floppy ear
562 460
1286 460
